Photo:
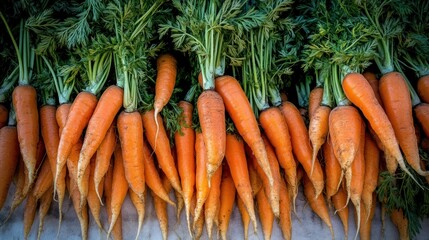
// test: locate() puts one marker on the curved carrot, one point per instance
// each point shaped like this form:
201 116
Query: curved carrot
397 104
422 114
266 214
276 129
185 147
4 115
314 100
238 107
24 98
104 113
80 208
360 93
374 82
130 130
94 203
29 214
198 226
163 149
212 203
44 205
285 218
139 204
372 162
333 171
301 145
227 199
117 228
237 162
339 199
9 159
245 218
43 181
401 222
366 221
166 66
318 129
255 180
423 88
201 180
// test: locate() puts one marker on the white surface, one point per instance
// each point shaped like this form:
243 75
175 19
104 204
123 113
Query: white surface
308 226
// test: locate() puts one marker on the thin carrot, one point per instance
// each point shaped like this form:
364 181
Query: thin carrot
266 214
333 171
24 98
374 82
245 218
117 228
9 159
366 221
301 145
44 205
81 208
314 100
255 180
238 107
180 204
237 162
163 149
397 104
372 162
43 181
285 218
227 199
185 149
212 203
130 130
29 214
339 199
94 203
422 114
99 123
201 181
277 131
423 88
401 223
199 226
161 212
139 204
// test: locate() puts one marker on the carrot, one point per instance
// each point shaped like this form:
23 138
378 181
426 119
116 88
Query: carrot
94 203
279 137
163 149
366 221
166 66
237 162
61 116
238 107
103 156
212 203
422 114
317 203
359 92
397 104
423 88
201 180
43 181
285 218
266 214
401 223
24 98
314 100
4 115
211 114
130 130
29 214
152 178
99 123
227 198
9 159
44 205
255 180
301 145
80 208
245 218
161 212
185 148
119 187
372 162
180 204
318 129
339 199
117 228
374 82
139 204
333 171
198 226
72 162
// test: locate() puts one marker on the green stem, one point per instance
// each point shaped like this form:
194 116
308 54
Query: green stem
12 116
18 53
327 95
98 71
191 93
339 95
274 94
8 83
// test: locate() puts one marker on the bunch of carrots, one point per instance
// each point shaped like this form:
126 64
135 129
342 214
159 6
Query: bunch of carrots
197 98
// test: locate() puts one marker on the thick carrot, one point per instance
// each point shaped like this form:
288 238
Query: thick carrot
119 187
212 203
43 181
163 149
266 215
166 66
44 205
227 198
245 218
276 129
423 88
285 218
401 223
317 203
152 178
104 113
238 107
237 162
360 93
117 228
333 171
422 114
161 212
211 114
201 180
9 159
366 221
103 157
130 130
94 203
318 129
185 149
29 214
372 162
139 204
50 134
24 98
397 104
4 115
339 199
301 145
374 82
314 100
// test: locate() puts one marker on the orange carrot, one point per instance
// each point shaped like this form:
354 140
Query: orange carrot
50 134
43 181
4 115
130 130
276 129
9 159
163 149
61 116
266 215
245 218
422 114
212 203
285 218
423 88
237 162
401 222
238 107
301 145
29 214
117 228
139 204
372 162
366 221
103 157
318 129
314 100
104 113
283 97
227 198
255 180
397 104
94 203
24 98
80 208
198 226
333 171
161 211
373 81
45 204
201 181
339 199
185 148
